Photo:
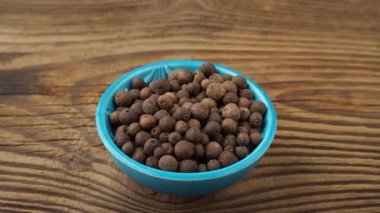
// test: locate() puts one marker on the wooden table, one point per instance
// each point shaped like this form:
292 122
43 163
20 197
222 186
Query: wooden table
319 61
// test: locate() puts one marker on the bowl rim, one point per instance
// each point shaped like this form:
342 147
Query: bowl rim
115 152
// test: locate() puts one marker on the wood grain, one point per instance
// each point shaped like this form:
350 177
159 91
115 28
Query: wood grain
319 61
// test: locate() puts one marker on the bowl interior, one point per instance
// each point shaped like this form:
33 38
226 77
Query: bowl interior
161 69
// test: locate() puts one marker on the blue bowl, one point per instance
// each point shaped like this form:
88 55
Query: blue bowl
185 184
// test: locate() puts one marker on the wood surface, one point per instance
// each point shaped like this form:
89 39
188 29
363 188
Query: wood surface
319 61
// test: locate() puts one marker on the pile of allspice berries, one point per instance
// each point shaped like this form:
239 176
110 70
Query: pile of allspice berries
188 122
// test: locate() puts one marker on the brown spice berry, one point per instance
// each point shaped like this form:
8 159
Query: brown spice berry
246 93
187 105
188 165
229 140
256 129
141 137
167 148
205 139
133 129
136 107
228 148
213 150
202 167
182 94
215 91
242 139
227 77
229 126
214 109
174 137
218 138
150 145
114 118
231 110
230 98
145 93
240 82
173 75
210 103
227 158
174 85
199 151
168 163
181 127
183 101
207 69
258 106
165 102
244 113
216 77
134 93
184 76
138 83
182 114
241 151
205 83
199 111
193 88
152 161
128 148
255 138
160 86
158 152
167 123
194 135
121 138
161 113
199 77
244 102
213 164
123 98
212 128
230 87
183 150
147 121
150 106
139 155
255 119
172 96
174 108
156 131
194 123
127 116
164 137
214 116
200 96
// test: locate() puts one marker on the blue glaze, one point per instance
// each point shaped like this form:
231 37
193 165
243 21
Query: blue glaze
186 184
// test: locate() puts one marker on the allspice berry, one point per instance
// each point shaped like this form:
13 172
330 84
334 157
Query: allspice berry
174 85
168 163
165 102
227 77
218 138
198 77
255 119
174 108
156 131
229 140
230 98
241 151
205 83
150 106
244 113
246 93
227 158
184 150
231 110
242 139
229 126
127 116
158 152
182 94
230 87
138 83
133 129
164 137
194 135
214 116
212 128
136 107
172 96
258 106
228 148
139 155
213 150
199 151
216 77
182 114
240 82
174 137
167 123
160 86
205 139
188 165
215 91
193 88
200 96
147 121
145 93
207 69
244 102
161 113
181 127
210 103
255 138
202 167
199 111
152 161
134 93
184 76
150 145
194 123
183 101
141 137
213 164
123 99
244 127
114 118
128 148
187 105
121 138
167 148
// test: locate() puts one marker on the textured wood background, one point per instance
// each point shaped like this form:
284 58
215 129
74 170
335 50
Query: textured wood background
319 61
